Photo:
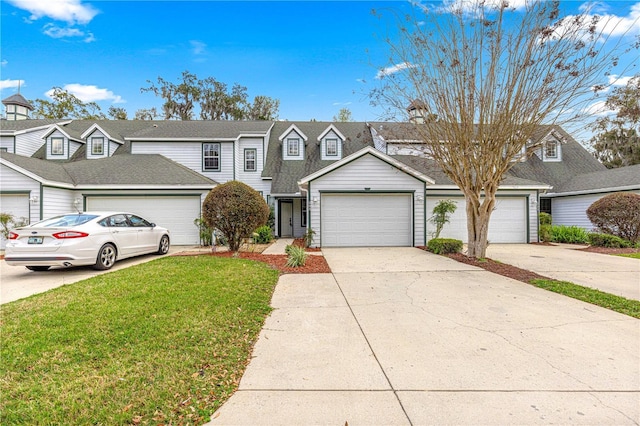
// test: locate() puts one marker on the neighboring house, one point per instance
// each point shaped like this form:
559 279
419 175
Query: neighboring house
352 184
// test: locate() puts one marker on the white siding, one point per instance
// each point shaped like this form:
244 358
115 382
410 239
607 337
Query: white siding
6 143
323 147
572 210
253 179
28 143
189 154
368 172
73 147
65 144
113 146
12 181
301 147
57 201
105 146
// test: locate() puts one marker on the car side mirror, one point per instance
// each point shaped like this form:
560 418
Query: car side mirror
153 225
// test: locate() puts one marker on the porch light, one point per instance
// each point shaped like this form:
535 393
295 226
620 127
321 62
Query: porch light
33 199
314 200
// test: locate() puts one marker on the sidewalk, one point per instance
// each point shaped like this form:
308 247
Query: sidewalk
279 246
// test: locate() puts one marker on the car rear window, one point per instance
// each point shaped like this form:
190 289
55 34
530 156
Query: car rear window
66 220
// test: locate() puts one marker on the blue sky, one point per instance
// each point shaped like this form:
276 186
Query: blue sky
316 57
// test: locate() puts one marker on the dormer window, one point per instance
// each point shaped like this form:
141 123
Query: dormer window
97 146
57 146
293 147
332 147
551 149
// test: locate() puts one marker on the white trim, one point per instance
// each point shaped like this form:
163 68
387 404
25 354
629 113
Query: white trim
31 129
330 128
364 151
291 128
591 191
95 127
61 130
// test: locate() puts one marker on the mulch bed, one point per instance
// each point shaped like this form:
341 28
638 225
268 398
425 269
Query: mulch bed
314 265
299 242
499 268
606 250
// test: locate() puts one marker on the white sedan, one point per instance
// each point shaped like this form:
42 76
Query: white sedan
89 238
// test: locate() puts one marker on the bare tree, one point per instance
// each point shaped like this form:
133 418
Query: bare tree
146 114
491 75
262 108
117 113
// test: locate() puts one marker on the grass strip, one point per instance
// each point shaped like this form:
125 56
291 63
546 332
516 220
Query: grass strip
596 297
631 255
165 342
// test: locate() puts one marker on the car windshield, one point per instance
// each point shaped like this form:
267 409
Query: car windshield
66 220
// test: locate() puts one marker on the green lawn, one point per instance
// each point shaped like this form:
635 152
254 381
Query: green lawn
164 342
631 255
596 297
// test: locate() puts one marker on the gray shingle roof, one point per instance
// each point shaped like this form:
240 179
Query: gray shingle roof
17 99
609 179
200 129
431 169
286 174
10 126
138 169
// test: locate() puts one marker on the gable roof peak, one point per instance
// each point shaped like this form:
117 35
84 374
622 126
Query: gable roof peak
291 128
329 129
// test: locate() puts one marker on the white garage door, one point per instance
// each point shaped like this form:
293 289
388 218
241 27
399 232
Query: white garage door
508 222
366 220
174 213
16 205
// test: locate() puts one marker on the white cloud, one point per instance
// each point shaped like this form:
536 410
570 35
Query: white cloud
4 63
393 69
598 109
472 5
70 11
90 93
198 47
54 31
608 25
11 84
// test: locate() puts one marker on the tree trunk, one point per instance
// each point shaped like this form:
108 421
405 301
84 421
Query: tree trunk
478 216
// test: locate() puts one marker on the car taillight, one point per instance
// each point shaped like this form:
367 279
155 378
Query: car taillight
70 234
13 236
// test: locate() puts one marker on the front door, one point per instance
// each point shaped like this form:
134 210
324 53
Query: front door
286 219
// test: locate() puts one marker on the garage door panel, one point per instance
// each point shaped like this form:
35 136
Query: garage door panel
508 223
176 213
16 205
355 220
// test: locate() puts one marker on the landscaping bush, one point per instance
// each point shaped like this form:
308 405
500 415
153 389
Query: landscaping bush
442 214
236 210
606 240
545 233
617 214
204 230
444 245
308 237
263 235
569 234
545 218
297 256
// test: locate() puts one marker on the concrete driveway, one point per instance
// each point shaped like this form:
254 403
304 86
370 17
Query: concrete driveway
403 337
17 282
612 274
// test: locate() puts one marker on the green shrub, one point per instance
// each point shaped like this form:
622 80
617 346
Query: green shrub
204 230
263 235
545 233
545 218
606 240
444 245
297 256
308 237
569 234
441 215
236 210
617 214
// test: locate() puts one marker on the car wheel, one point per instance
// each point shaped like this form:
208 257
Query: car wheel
106 257
38 268
163 248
